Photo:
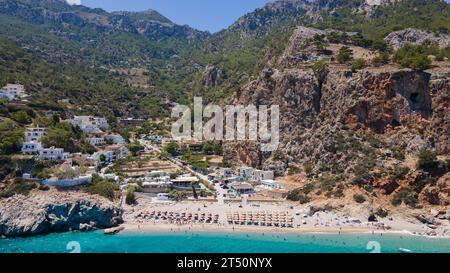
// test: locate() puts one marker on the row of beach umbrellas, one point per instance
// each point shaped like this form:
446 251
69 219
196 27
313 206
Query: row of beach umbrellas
184 217
261 219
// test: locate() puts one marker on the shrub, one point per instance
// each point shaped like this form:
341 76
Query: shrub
298 195
407 196
294 170
19 187
382 58
21 117
62 135
172 148
381 212
177 195
309 168
303 199
319 67
135 148
358 64
399 173
102 187
344 55
203 193
11 138
427 160
413 56
44 188
130 198
359 198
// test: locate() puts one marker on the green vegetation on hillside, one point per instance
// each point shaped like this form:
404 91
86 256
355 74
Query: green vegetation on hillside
430 15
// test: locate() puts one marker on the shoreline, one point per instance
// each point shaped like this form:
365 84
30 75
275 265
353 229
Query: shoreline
150 227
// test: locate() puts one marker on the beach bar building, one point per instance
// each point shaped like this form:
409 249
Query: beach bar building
242 188
185 182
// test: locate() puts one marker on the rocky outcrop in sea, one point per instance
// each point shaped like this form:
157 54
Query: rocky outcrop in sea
41 213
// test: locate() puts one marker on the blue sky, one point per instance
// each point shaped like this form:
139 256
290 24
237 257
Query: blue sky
211 15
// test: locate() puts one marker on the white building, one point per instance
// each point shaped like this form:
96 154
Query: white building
225 172
53 154
259 175
109 157
254 174
245 172
155 138
185 182
31 148
67 183
6 95
90 124
13 91
34 134
116 139
242 188
271 184
96 141
102 123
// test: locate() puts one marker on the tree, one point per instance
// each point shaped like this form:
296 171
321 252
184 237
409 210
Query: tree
21 117
359 198
57 137
319 67
130 198
413 57
177 195
172 148
102 187
382 58
319 42
11 137
203 193
344 55
135 148
102 158
194 190
427 160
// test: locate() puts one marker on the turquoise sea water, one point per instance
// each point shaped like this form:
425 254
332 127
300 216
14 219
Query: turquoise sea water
181 242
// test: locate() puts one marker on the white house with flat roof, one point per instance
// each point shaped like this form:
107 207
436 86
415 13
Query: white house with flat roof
119 151
115 139
254 174
53 154
96 141
259 175
242 188
109 157
31 148
34 134
245 172
271 184
185 182
13 91
90 124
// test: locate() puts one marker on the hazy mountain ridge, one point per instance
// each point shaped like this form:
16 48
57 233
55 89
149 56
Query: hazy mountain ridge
176 56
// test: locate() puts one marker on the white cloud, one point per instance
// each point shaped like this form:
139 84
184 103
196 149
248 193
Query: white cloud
74 2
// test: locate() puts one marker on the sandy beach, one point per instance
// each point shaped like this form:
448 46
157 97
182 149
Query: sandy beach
141 217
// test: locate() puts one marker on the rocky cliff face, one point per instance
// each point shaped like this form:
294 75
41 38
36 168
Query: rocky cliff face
406 108
56 212
332 118
399 38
